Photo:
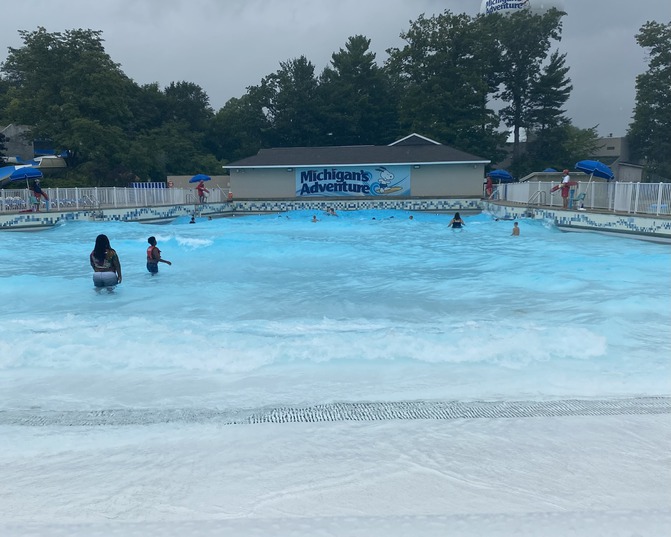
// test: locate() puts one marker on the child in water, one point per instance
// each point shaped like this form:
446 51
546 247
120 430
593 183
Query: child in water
154 256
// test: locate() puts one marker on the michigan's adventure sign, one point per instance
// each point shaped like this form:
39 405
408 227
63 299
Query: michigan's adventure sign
353 181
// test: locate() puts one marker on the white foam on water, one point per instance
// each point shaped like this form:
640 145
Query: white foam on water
369 293
271 313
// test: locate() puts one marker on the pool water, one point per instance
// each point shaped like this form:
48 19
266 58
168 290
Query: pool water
367 306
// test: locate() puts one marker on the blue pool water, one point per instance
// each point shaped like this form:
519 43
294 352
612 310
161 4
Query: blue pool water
367 306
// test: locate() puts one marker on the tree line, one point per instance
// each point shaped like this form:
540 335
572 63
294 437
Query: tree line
457 79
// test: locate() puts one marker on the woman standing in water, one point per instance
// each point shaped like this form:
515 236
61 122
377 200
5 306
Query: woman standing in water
456 222
105 263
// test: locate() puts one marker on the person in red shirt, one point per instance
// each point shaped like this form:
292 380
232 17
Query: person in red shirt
201 191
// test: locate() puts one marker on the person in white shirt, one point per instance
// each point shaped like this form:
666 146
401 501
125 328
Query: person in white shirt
565 188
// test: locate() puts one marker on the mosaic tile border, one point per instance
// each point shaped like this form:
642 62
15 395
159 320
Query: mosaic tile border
654 228
644 227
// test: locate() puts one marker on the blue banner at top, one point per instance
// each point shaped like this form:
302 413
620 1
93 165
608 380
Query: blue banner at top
351 181
148 185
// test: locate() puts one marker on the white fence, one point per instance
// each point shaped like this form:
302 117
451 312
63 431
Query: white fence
103 198
633 198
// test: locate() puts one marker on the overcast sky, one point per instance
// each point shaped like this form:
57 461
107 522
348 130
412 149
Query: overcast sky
225 46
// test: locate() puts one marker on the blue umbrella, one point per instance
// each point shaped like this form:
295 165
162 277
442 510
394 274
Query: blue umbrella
200 177
17 173
502 176
595 169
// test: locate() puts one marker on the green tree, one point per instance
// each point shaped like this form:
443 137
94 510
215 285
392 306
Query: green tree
547 126
3 147
559 147
58 76
650 132
240 128
292 105
524 40
357 106
442 77
549 94
66 87
148 106
170 149
4 100
68 90
187 102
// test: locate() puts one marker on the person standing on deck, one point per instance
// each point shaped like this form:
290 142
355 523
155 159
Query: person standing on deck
39 193
201 192
565 189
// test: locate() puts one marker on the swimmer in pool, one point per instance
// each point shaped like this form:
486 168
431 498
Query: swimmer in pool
456 222
105 263
154 256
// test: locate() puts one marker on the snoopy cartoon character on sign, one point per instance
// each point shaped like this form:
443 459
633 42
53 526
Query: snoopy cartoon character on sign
384 184
386 177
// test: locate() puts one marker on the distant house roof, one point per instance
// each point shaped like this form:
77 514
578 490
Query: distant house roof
413 149
415 139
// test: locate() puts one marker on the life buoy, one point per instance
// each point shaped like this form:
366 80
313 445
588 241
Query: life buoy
560 185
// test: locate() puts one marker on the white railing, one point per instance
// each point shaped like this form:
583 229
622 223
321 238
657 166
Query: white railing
633 198
103 198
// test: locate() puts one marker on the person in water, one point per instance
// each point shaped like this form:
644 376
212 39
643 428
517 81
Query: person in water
516 230
456 222
105 264
154 256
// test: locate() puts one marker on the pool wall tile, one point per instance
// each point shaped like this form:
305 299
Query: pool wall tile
645 227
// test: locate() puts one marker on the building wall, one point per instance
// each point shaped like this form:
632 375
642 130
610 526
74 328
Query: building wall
266 183
16 143
628 173
453 180
611 148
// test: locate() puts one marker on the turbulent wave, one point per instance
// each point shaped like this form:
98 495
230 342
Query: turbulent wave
414 304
